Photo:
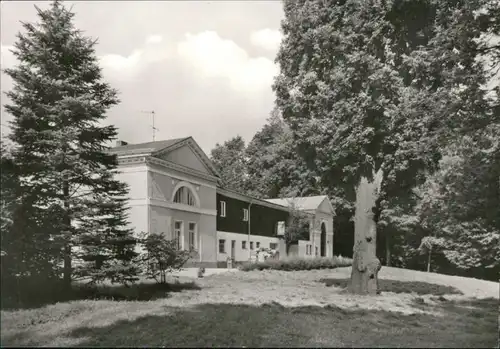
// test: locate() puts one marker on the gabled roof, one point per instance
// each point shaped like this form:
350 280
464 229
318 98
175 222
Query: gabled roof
162 147
149 147
249 199
306 203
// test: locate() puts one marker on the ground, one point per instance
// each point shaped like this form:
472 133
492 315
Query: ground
274 308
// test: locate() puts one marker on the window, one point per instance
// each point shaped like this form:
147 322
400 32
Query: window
222 246
244 245
273 246
178 234
192 236
257 244
185 196
245 215
316 250
223 209
251 245
308 249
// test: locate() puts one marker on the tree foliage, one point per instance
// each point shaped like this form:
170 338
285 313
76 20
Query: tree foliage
297 227
229 159
366 85
460 205
162 256
66 176
273 165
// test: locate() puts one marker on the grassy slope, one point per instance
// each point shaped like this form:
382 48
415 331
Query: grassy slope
273 308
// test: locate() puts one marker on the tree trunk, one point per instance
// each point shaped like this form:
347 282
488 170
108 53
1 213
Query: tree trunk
365 264
429 260
67 269
387 250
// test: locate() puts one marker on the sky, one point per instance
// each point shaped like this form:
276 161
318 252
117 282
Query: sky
205 68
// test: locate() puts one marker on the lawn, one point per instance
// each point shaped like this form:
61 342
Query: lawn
276 309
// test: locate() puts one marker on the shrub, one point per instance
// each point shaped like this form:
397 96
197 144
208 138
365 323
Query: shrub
162 256
293 264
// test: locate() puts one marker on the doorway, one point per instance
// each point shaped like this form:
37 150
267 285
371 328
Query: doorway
323 239
233 249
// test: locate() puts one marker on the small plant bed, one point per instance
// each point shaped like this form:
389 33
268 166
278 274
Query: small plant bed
294 264
396 286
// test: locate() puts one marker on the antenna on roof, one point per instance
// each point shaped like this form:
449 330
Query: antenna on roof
152 113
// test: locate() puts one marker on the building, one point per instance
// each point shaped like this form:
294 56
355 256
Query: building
174 190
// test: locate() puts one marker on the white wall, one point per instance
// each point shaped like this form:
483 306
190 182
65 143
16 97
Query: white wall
241 255
137 179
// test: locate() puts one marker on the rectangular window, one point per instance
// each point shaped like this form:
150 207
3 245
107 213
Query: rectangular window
178 234
222 246
192 236
245 215
316 250
223 209
244 245
251 245
257 244
273 246
308 249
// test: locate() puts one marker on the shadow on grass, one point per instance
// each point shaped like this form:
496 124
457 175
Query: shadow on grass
137 292
397 286
469 324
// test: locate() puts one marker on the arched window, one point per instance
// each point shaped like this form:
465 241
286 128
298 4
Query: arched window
185 196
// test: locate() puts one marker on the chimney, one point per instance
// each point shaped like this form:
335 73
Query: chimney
120 143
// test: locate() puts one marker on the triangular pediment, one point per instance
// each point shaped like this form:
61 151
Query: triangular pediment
326 207
187 153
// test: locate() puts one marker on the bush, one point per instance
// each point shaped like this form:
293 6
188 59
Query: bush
162 256
293 264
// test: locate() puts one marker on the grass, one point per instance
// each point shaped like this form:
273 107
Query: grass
274 308
397 286
145 291
294 264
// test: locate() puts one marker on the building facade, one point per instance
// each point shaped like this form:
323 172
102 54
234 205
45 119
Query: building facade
174 190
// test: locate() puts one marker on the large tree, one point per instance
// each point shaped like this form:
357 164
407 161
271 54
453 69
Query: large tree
58 103
229 159
372 90
273 165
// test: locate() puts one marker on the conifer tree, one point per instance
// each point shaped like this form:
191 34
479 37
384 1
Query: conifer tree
58 103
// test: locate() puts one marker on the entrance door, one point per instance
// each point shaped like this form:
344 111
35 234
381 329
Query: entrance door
233 249
323 239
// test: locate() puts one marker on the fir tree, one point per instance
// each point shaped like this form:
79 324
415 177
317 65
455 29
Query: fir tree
58 104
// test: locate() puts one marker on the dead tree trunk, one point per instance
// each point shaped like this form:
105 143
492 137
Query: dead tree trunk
365 264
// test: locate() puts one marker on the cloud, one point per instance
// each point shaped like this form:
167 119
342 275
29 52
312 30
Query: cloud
123 67
268 39
154 39
120 63
214 57
8 60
